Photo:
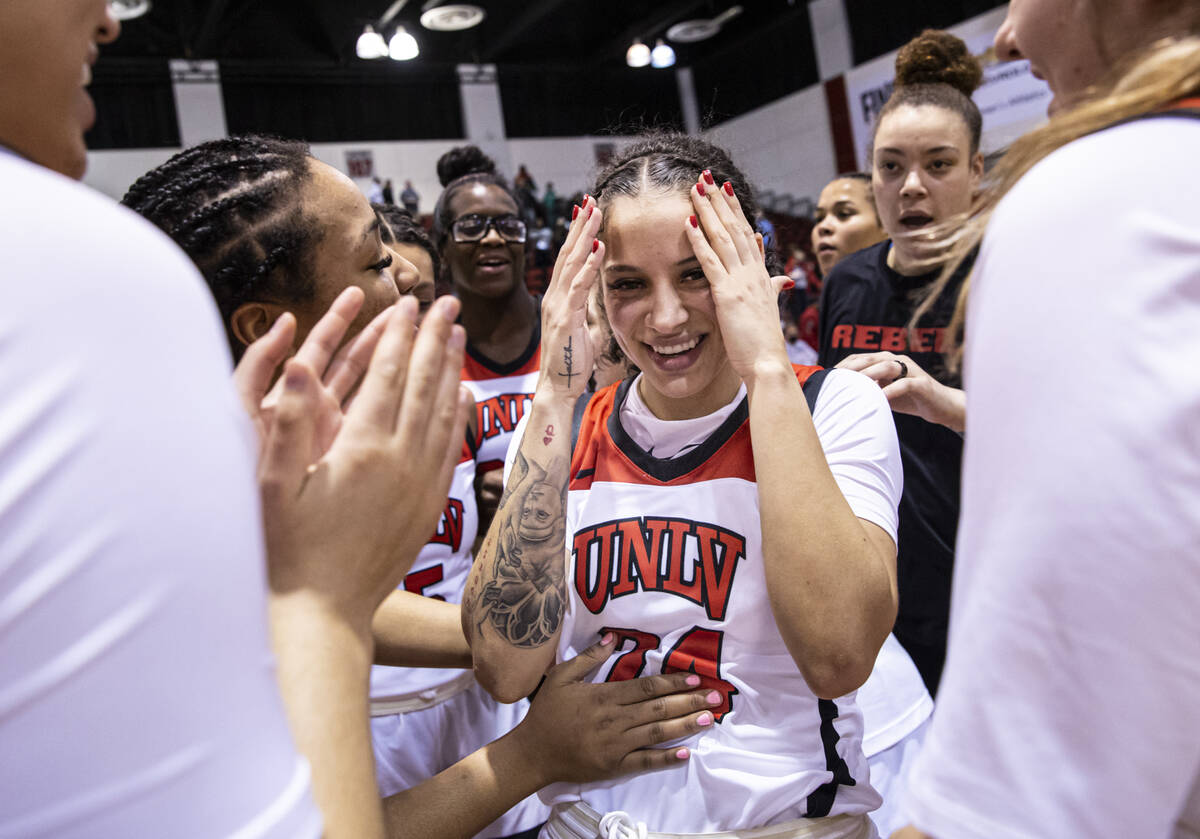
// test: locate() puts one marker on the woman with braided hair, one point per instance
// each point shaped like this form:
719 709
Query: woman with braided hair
721 513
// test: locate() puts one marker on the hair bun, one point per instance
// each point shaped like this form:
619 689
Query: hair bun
936 57
464 160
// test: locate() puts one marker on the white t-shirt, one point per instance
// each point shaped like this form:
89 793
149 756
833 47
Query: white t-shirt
137 685
1070 704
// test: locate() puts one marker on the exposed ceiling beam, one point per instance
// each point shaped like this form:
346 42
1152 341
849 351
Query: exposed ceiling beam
648 27
532 15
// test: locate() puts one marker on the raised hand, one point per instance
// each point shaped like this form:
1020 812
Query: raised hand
587 732
349 525
339 370
567 353
745 294
910 390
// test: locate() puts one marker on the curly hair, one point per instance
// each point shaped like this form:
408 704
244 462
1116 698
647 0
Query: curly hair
233 206
936 68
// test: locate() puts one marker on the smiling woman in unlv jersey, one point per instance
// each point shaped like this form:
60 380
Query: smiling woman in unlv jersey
717 481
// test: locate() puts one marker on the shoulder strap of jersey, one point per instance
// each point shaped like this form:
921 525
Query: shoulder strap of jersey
811 379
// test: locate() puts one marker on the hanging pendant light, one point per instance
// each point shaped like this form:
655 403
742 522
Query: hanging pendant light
662 55
403 46
638 54
371 44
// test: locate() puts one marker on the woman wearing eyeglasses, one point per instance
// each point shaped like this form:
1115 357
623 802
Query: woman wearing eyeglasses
479 232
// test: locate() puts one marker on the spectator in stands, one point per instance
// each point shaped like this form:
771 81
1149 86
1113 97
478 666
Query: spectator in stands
409 198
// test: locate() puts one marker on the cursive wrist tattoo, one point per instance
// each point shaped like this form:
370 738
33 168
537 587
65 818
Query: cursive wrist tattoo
569 361
524 590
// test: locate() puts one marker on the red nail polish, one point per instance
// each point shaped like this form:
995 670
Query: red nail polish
700 188
789 285
729 189
693 221
595 245
574 212
708 178
591 210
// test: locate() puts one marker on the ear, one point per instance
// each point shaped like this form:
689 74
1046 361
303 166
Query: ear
251 321
976 173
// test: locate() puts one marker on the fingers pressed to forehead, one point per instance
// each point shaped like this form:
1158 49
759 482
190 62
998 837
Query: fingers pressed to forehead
719 238
351 362
575 231
741 232
585 276
326 336
577 252
378 400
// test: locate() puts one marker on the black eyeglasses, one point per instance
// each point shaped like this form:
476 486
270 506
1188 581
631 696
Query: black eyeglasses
473 227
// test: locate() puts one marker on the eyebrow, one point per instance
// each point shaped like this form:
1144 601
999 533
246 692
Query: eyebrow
934 150
371 228
634 268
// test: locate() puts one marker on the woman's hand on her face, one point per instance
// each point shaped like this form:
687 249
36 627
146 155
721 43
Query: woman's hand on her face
745 295
339 370
348 527
910 390
567 353
579 731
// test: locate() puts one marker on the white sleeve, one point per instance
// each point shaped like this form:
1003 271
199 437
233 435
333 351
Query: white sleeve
514 446
857 432
1070 703
137 688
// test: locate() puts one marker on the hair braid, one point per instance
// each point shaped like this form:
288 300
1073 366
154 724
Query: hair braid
233 206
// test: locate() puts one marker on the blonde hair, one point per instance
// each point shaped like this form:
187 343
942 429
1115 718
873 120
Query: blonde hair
1167 71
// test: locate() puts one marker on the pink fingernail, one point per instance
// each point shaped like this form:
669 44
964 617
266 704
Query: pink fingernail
682 754
713 698
607 639
704 719
692 681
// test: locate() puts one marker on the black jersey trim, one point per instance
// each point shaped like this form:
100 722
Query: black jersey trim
812 387
668 469
526 354
820 800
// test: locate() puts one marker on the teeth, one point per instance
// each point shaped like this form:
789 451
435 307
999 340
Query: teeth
674 349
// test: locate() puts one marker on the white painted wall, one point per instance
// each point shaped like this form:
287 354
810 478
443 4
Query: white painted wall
112 172
785 146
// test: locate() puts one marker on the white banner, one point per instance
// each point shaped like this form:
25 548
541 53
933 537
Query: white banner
1011 100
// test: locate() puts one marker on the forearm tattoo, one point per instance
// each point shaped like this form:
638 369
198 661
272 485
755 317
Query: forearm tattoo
524 590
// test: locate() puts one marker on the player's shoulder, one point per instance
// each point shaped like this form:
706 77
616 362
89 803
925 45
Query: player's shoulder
860 271
842 389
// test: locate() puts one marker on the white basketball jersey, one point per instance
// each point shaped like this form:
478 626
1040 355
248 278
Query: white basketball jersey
440 571
503 394
667 554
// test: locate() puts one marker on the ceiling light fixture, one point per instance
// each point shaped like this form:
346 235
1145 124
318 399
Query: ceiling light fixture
453 17
638 54
371 44
662 55
128 9
403 46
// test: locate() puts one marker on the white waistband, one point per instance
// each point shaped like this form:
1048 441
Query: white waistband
419 700
579 821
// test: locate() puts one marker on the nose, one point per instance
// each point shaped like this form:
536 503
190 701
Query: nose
109 27
406 274
825 226
667 312
492 236
1005 43
913 186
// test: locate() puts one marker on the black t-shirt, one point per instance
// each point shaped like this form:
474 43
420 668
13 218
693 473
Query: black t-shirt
866 307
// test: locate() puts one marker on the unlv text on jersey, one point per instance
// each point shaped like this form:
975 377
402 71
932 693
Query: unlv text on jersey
693 560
